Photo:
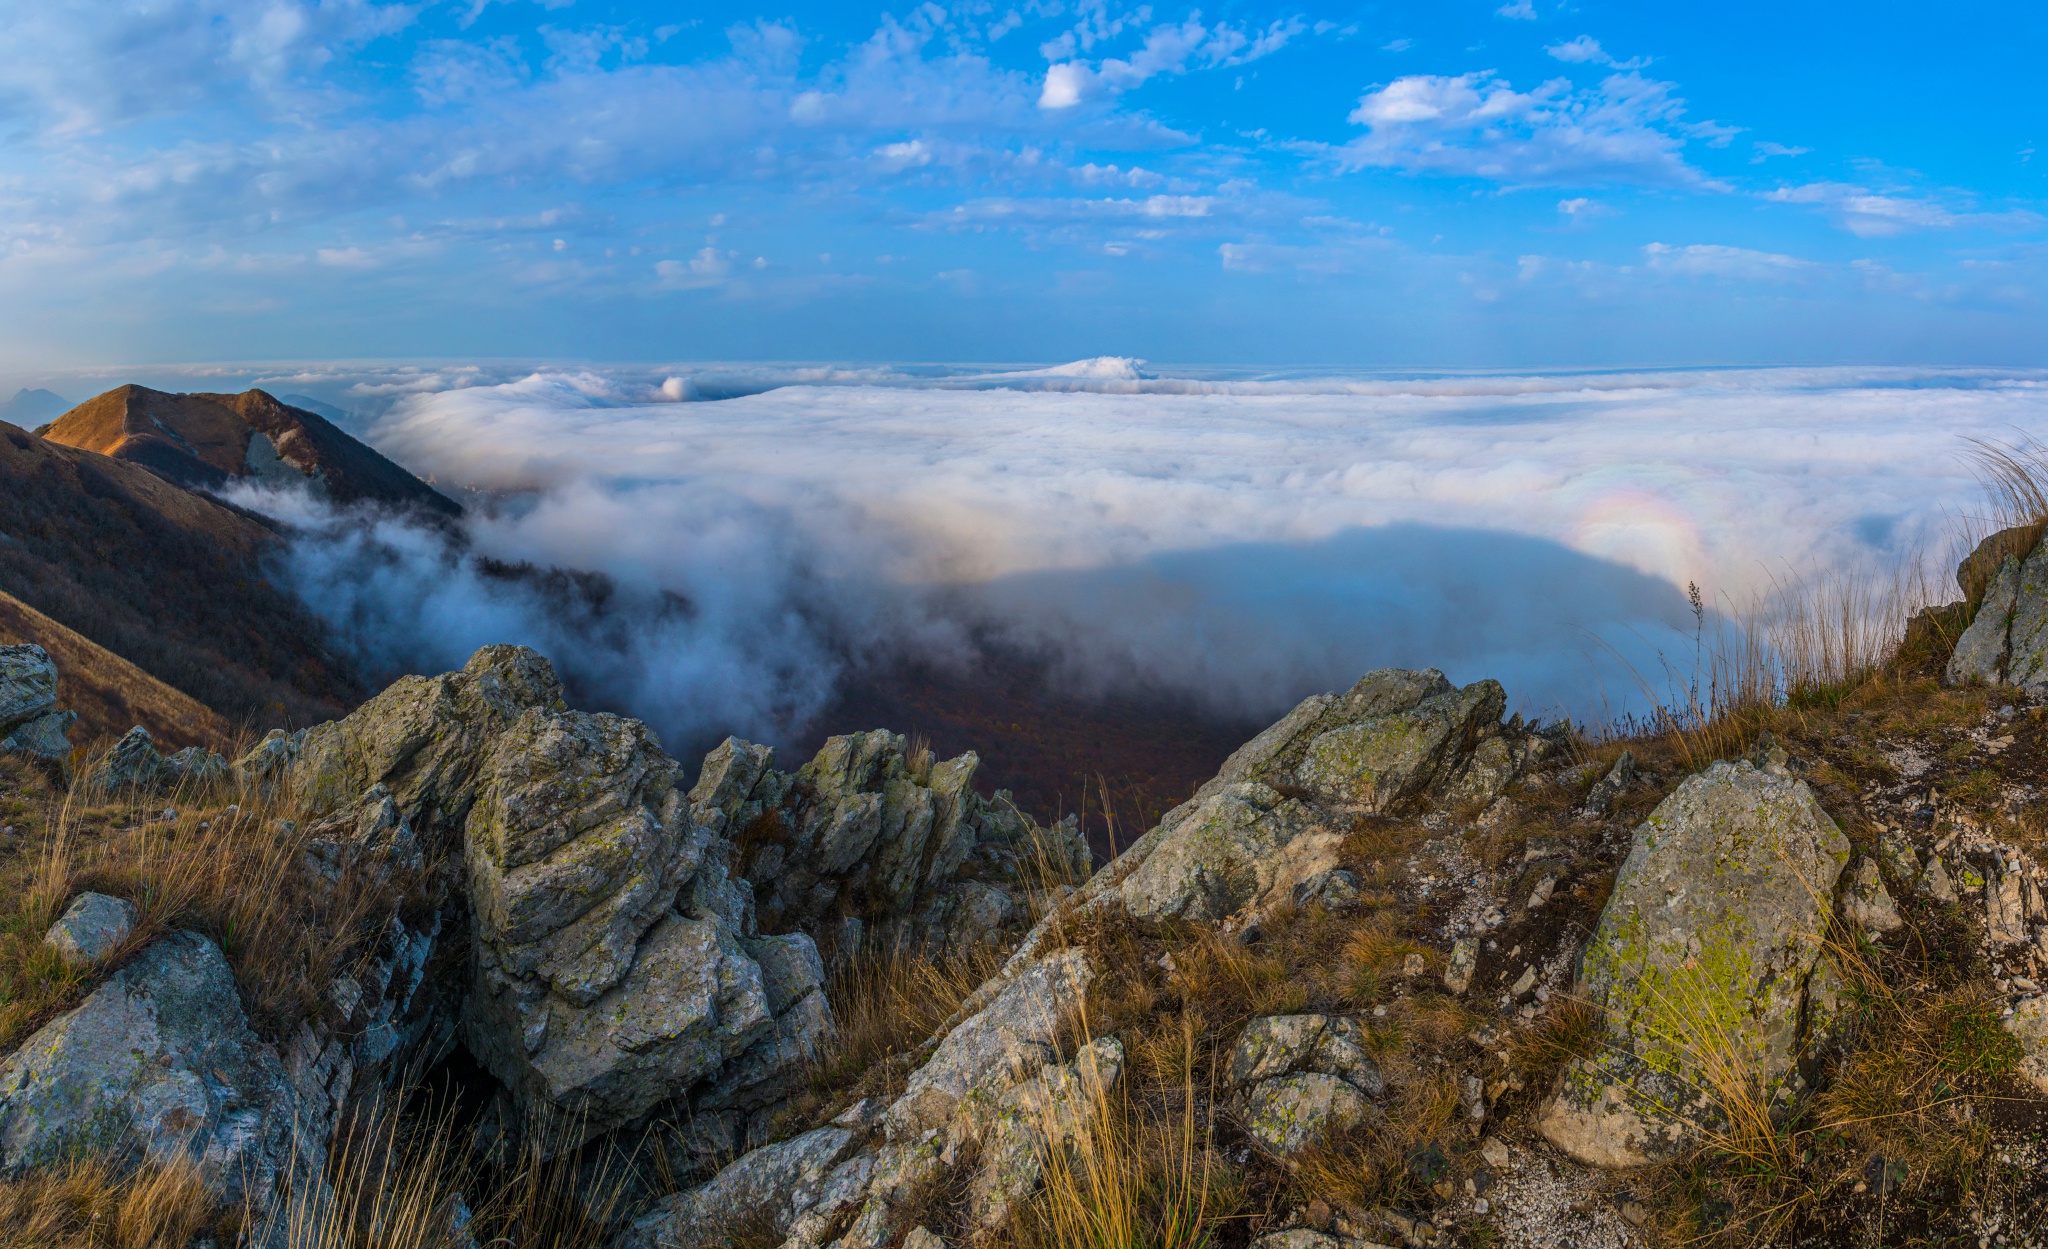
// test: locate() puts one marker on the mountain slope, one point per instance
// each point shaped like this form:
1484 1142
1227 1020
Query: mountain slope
110 694
168 579
207 440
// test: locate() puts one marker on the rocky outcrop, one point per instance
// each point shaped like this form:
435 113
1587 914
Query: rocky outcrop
869 841
30 723
1707 959
2006 642
135 767
159 1063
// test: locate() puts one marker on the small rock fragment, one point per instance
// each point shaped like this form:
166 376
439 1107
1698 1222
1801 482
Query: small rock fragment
92 927
1464 958
1868 903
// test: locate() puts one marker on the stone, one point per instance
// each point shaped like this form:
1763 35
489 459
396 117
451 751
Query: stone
28 685
1005 1042
1714 928
1288 1114
132 766
43 737
1379 763
1619 780
758 1188
1936 883
2028 1024
923 1238
2006 642
1244 843
1867 903
192 768
92 927
1463 961
1047 1112
1298 1238
1336 890
2005 909
158 1063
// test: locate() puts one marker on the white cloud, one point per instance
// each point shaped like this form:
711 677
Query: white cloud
1586 50
708 267
1397 45
1870 214
1717 261
1628 129
1580 208
1169 48
1765 150
1517 10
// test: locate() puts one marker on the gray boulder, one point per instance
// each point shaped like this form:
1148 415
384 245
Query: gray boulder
158 1063
92 927
1245 842
28 685
1703 959
132 766
1303 1077
1866 901
44 737
1047 1112
766 1188
2006 642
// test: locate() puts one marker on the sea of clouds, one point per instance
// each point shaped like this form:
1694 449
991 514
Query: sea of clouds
1241 539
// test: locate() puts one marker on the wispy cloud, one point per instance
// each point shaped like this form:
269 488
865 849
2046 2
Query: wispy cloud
1717 261
1169 48
1871 214
1627 129
1586 50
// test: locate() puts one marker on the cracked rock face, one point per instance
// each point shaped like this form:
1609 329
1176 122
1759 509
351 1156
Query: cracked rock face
28 685
1710 944
2007 641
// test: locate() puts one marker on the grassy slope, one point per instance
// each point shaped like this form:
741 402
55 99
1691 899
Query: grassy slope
110 694
169 580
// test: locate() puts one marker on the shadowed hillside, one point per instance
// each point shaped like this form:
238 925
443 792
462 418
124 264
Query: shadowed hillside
167 579
110 694
206 440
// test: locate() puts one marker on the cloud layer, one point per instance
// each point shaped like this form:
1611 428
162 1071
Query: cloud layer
1240 538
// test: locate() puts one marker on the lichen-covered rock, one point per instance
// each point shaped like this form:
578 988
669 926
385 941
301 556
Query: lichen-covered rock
92 927
191 768
43 737
1867 903
1245 842
1287 1114
1048 1111
425 738
2028 1024
1279 1045
133 765
869 827
762 1190
28 685
1006 1041
2007 640
1381 761
1619 779
158 1063
1706 947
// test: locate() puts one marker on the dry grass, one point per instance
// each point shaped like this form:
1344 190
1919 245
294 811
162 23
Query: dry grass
1130 1172
91 1205
110 694
886 1002
228 870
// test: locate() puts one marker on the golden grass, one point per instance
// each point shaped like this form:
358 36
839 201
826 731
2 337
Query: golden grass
91 1205
886 1002
228 870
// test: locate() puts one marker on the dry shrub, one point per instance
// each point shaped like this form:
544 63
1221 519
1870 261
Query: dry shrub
1571 1029
92 1205
1227 982
1393 1160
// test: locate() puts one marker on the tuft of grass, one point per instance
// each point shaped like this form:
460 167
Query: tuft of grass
89 1204
887 1001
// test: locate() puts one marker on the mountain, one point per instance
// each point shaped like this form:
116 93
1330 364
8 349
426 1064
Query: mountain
166 578
110 694
32 405
206 440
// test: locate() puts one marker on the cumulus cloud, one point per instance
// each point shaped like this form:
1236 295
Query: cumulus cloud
1170 48
1627 129
1244 540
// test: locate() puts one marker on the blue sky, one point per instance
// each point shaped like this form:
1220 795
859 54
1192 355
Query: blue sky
1455 184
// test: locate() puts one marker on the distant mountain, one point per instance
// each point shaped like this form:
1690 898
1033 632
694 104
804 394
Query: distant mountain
206 440
29 406
168 579
340 416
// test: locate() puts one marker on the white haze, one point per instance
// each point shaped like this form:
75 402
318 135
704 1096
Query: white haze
1245 540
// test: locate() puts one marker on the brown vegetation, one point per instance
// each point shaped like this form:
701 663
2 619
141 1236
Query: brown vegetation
167 579
110 694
